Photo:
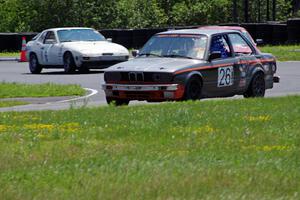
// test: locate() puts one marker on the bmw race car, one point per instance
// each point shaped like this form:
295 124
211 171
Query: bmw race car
72 49
189 65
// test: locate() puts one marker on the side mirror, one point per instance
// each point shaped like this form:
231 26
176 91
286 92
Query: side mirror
135 53
214 55
50 41
259 41
109 39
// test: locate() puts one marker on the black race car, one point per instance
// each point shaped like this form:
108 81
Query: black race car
189 65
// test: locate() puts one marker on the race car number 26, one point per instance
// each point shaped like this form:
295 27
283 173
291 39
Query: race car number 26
225 76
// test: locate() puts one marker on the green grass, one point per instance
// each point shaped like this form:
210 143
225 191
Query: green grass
11 103
283 52
223 149
9 54
9 90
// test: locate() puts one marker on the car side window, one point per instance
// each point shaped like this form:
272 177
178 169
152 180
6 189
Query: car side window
220 44
240 46
50 36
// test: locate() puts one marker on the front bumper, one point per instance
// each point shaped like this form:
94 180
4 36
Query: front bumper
153 92
101 61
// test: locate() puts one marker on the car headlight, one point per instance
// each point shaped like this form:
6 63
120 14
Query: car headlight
85 52
274 68
162 77
266 67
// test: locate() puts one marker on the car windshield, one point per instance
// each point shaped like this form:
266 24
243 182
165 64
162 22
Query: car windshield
175 45
248 37
35 37
70 35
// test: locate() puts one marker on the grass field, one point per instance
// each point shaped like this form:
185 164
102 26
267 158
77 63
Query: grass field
283 52
9 90
11 103
223 149
9 54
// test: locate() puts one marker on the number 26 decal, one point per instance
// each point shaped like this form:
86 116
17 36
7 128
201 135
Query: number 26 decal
225 76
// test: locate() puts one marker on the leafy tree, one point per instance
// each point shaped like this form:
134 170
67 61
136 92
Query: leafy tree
139 14
37 15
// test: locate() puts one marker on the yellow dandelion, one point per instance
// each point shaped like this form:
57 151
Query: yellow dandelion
262 118
39 127
3 128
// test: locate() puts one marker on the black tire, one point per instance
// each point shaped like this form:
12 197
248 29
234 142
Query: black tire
117 102
257 86
193 89
34 66
69 64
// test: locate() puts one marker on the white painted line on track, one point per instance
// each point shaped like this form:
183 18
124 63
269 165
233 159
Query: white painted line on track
92 92
291 61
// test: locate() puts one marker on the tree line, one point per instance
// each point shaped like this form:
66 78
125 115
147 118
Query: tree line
36 15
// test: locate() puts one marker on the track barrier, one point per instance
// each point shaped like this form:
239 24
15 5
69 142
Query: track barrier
271 33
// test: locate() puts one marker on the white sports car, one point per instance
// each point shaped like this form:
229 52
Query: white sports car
71 49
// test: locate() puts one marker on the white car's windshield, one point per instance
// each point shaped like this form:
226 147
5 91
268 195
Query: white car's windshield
176 45
70 35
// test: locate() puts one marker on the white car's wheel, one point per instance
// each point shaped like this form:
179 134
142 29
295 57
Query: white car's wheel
69 64
34 66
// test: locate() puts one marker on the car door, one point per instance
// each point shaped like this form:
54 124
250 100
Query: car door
50 49
243 51
224 70
38 47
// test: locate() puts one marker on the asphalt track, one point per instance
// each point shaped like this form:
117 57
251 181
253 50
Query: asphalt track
12 71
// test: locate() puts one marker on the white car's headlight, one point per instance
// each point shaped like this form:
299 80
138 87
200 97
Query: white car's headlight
85 52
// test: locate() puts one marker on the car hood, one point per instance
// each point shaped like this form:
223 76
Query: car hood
98 47
155 64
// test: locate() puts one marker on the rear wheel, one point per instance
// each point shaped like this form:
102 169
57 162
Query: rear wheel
117 102
69 64
257 86
34 66
193 89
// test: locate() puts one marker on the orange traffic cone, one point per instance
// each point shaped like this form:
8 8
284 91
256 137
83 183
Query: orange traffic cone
23 51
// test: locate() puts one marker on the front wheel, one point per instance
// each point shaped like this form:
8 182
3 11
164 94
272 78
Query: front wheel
117 102
193 89
69 64
34 66
257 86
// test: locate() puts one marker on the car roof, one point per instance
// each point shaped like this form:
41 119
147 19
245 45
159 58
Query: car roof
207 32
238 28
66 28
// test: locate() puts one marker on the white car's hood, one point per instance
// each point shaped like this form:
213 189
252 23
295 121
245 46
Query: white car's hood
98 47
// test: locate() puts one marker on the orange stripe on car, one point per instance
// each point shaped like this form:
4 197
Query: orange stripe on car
202 68
223 65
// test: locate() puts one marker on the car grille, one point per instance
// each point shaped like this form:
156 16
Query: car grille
138 77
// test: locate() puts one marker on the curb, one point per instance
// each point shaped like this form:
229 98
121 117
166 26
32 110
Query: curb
9 59
48 105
